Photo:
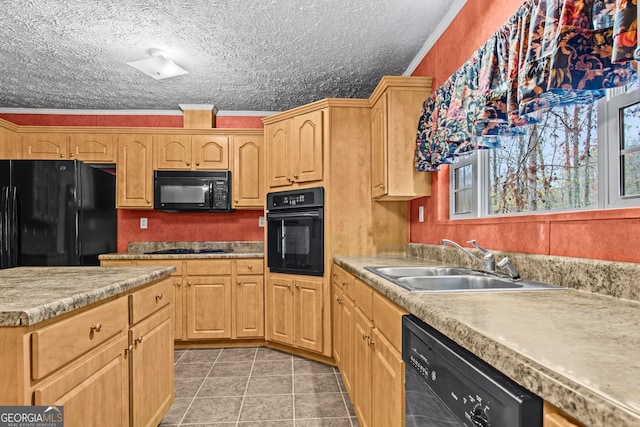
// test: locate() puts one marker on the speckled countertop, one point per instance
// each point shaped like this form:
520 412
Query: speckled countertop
29 295
236 249
577 349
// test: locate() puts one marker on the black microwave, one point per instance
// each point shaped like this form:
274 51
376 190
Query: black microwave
192 191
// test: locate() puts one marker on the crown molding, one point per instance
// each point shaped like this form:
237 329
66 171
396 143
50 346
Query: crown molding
229 113
456 7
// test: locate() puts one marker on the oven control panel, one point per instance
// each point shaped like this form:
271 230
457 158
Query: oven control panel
308 197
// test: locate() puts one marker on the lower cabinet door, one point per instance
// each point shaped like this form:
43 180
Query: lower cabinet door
152 369
362 367
249 307
308 306
279 310
208 307
387 383
94 393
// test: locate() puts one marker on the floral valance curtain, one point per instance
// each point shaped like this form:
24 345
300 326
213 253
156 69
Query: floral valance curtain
550 53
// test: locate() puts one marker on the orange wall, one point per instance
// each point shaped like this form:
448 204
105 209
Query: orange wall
188 227
603 234
162 226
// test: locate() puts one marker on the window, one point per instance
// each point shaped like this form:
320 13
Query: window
558 164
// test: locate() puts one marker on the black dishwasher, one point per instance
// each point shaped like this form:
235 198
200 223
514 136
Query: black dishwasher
448 386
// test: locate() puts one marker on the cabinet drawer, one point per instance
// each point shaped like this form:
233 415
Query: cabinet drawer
249 266
162 263
363 295
55 345
387 317
147 301
209 267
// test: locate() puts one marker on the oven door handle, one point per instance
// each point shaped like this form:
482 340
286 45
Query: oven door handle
286 215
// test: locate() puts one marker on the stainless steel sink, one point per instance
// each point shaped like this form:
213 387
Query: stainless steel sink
454 279
436 270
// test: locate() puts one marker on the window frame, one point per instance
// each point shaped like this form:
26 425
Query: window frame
609 183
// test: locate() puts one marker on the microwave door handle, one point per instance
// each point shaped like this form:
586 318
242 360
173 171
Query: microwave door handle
210 194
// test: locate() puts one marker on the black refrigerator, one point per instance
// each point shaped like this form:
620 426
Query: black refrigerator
55 212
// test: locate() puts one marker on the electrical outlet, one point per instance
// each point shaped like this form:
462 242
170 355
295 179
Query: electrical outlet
143 223
260 221
420 213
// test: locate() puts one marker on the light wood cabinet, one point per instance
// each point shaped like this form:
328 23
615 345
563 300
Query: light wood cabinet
45 146
185 152
554 417
8 138
134 179
295 312
213 298
395 109
296 150
248 173
208 309
248 299
95 392
152 382
88 147
374 338
108 364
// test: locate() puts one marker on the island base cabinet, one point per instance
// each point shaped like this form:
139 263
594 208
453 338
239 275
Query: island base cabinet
94 393
152 369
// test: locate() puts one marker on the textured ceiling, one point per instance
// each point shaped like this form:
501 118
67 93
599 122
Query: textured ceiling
242 55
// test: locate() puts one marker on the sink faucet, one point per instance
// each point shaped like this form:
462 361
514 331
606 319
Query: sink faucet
488 260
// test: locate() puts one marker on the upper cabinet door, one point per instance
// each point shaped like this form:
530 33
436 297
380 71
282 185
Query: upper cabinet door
173 152
210 151
46 146
248 172
278 140
306 147
134 179
94 148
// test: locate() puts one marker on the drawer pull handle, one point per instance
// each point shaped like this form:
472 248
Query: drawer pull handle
96 327
158 297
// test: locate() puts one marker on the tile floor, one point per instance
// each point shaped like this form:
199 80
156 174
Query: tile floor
256 387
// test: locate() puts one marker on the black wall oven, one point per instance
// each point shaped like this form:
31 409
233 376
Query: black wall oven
295 231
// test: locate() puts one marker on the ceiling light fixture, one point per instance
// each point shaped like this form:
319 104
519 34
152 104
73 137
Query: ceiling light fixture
158 66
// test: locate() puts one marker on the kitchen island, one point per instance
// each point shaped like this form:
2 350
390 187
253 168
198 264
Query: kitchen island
577 350
93 340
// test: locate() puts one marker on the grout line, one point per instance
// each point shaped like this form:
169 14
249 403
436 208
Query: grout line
246 388
342 393
199 388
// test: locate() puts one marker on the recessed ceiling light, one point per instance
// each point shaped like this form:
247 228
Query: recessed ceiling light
158 65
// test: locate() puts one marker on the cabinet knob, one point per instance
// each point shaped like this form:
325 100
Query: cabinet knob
128 349
96 328
297 286
188 283
238 282
295 176
62 155
158 297
70 154
148 201
250 267
197 163
179 283
188 163
288 286
370 342
139 339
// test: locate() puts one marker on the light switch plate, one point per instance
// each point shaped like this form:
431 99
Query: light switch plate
420 213
260 221
143 223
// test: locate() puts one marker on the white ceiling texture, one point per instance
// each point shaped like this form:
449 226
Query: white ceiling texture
241 55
